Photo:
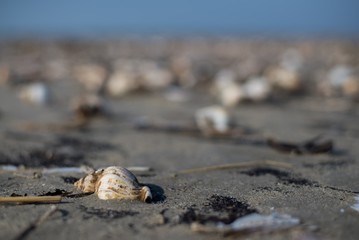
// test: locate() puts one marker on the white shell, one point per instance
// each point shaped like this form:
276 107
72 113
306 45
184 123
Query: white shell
213 119
36 93
114 183
257 89
229 92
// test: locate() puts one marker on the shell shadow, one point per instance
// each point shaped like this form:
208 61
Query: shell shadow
158 194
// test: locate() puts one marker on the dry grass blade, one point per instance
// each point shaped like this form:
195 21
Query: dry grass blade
31 199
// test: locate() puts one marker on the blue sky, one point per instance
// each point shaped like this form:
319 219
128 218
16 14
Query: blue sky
115 17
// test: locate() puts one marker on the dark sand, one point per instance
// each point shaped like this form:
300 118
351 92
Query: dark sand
318 189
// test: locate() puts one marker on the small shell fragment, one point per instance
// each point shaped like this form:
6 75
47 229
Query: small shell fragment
251 222
212 120
114 183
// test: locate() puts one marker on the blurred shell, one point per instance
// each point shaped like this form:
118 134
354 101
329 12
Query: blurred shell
36 93
227 89
257 89
344 79
121 83
231 95
350 87
338 75
284 78
114 183
153 77
212 120
92 76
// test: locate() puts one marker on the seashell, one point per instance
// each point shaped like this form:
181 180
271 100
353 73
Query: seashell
284 78
256 89
229 92
231 95
338 75
121 83
343 78
114 183
154 77
92 76
212 120
36 93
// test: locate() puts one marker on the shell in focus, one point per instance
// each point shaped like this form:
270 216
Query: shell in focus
114 183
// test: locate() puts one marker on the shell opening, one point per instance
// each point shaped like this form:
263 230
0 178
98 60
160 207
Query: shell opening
146 195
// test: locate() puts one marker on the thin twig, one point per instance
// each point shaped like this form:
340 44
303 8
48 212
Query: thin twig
269 163
31 199
36 223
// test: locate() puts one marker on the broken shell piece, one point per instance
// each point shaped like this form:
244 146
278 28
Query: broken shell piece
114 183
251 222
212 120
36 93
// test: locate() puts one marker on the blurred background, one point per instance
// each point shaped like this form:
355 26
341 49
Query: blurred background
231 52
67 18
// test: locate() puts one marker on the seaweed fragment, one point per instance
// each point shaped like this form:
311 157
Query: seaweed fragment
311 146
217 209
282 176
69 180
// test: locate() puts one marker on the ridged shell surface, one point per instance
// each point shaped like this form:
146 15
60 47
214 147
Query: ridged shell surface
114 183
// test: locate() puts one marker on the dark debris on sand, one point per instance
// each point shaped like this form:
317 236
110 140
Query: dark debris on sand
217 209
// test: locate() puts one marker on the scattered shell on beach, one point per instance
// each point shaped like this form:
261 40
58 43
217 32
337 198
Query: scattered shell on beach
114 183
257 89
284 78
36 93
229 92
154 77
212 120
121 83
92 76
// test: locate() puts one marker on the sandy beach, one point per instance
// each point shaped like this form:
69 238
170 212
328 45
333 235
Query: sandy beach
318 189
